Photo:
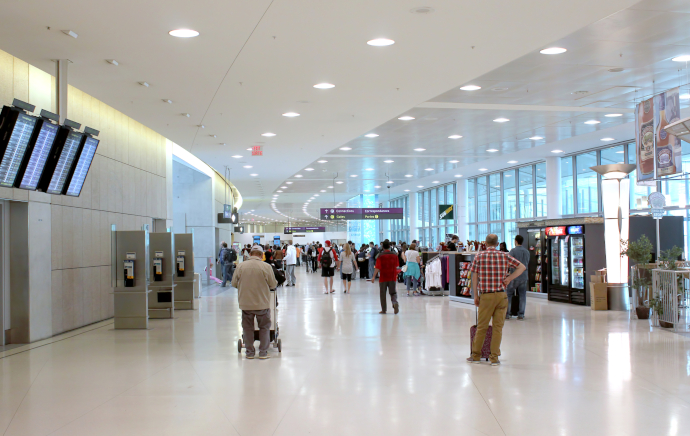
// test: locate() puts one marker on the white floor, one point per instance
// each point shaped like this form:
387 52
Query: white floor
346 370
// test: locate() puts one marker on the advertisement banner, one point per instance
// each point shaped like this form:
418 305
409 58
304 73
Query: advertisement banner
644 141
667 148
445 212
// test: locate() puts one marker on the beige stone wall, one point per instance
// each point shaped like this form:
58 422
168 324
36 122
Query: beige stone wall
126 186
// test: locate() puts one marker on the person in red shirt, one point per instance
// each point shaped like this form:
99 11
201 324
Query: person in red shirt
328 271
387 264
489 280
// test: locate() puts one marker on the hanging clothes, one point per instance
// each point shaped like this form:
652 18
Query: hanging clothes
432 274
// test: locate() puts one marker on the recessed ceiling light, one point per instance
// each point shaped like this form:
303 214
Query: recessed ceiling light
390 182
279 190
283 187
309 169
512 161
377 186
458 175
353 175
501 120
290 114
683 58
247 166
298 175
249 149
607 139
408 175
553 50
492 150
453 161
323 190
183 33
288 183
407 190
536 138
324 86
253 175
613 115
316 195
329 187
371 135
268 134
454 137
322 161
339 182
435 181
369 169
620 152
592 122
470 88
237 156
381 42
556 151
483 169
428 169
366 190
420 149
406 118
420 186
345 148
388 161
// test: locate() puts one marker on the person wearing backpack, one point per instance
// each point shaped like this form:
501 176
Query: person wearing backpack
227 260
328 259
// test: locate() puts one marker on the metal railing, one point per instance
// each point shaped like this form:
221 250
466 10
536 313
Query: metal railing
671 288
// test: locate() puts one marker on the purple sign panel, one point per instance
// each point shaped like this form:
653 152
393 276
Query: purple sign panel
335 213
291 230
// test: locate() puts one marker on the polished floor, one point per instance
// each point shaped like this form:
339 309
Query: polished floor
346 370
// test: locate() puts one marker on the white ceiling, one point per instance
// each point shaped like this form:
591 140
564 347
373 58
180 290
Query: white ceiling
256 60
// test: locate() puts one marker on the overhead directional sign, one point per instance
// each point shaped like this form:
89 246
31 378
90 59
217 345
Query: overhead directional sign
291 230
335 213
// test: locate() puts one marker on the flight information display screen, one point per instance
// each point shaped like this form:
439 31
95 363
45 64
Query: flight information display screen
83 165
39 156
64 164
16 147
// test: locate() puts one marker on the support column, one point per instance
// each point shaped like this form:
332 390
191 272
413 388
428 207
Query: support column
461 209
412 211
553 187
61 84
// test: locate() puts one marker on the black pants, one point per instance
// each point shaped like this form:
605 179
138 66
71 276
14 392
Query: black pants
363 269
314 262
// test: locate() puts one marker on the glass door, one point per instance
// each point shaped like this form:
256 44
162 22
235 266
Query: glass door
565 274
555 253
577 261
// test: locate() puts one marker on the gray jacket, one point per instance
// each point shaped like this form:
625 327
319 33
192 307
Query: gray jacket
522 254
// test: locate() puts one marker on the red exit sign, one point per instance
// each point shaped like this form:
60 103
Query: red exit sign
257 150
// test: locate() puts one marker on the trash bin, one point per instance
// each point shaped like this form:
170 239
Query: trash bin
618 296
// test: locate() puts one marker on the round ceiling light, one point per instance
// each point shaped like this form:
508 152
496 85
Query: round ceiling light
290 114
353 175
345 148
613 115
324 86
454 137
390 182
592 122
406 118
388 161
339 182
237 156
512 161
501 120
322 161
458 175
183 33
268 134
298 175
369 169
556 151
453 161
371 135
536 138
420 186
381 42
492 150
428 169
247 166
607 139
309 169
420 149
553 50
483 169
409 175
470 88
253 175
683 58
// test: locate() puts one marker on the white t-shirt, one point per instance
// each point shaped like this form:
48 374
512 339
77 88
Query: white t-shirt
412 256
347 263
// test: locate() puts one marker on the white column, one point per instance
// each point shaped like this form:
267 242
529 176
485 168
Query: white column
412 211
61 91
553 187
461 209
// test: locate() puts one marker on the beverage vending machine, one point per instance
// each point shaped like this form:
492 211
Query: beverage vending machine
566 264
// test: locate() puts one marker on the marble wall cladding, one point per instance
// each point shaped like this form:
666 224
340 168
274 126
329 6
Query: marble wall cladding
126 186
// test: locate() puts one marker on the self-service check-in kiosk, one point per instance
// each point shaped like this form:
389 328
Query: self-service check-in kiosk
162 297
184 271
130 254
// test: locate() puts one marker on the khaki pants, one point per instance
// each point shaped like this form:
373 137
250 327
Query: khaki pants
492 307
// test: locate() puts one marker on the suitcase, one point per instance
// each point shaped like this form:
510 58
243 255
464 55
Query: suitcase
486 348
515 305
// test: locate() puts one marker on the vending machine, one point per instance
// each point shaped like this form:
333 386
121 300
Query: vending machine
576 239
558 264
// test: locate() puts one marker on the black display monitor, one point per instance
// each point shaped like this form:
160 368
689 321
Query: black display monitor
85 155
16 130
60 161
36 155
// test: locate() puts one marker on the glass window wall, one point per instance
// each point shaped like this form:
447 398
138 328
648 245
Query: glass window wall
434 230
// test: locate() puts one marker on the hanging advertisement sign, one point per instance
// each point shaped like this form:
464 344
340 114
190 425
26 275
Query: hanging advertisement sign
644 142
445 212
555 231
667 148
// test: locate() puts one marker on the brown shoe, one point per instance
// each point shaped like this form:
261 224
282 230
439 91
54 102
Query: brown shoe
396 308
382 312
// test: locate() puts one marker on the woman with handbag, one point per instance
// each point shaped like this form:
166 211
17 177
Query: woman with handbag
348 267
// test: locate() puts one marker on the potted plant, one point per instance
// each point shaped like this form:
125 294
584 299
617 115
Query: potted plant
640 252
667 261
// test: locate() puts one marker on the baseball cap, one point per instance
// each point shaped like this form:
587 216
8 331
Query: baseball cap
258 248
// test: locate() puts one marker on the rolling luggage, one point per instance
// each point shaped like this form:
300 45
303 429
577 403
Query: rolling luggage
486 348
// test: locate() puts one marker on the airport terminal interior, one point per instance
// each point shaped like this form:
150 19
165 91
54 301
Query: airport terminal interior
345 218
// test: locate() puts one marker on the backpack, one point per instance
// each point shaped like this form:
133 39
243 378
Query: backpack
326 258
233 255
225 255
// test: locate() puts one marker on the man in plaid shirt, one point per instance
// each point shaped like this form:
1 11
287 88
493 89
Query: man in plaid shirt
489 280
